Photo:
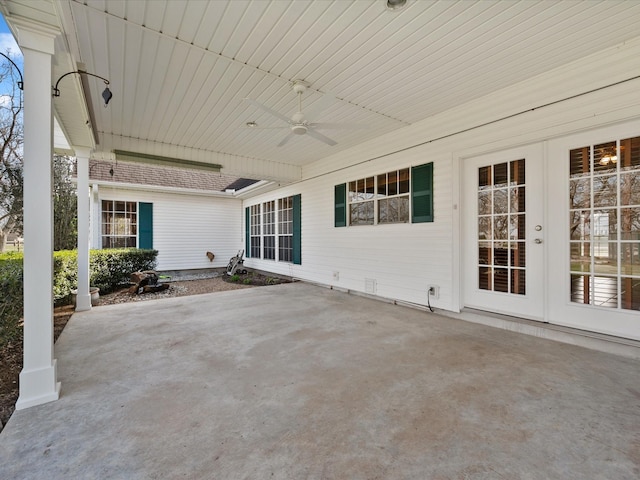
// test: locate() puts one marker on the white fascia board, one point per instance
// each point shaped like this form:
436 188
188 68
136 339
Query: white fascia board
245 192
159 189
255 188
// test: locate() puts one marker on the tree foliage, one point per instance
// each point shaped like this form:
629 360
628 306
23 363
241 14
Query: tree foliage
65 205
11 171
11 140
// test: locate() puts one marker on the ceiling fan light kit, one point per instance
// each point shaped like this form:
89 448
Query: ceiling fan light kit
396 5
299 129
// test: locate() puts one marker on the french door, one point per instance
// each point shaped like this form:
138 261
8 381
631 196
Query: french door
503 232
595 230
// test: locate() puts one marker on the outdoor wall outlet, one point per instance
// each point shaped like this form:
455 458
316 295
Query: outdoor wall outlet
434 291
336 276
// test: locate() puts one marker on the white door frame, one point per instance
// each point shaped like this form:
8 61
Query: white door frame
533 304
622 323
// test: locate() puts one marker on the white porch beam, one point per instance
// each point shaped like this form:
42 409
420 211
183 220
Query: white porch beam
83 297
38 378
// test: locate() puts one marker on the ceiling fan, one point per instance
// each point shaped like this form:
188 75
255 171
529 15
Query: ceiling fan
298 123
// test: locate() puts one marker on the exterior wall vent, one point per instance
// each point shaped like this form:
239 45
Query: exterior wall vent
370 285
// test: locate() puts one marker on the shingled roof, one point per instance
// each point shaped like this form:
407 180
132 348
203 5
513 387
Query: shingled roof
161 176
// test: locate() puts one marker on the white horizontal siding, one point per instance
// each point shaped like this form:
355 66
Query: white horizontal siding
185 227
405 259
402 258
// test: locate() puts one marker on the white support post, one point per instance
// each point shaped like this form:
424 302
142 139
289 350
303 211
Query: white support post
83 297
38 378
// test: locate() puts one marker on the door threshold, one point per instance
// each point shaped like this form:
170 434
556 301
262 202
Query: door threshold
595 341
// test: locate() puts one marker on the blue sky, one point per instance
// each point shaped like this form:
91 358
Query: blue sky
7 42
8 46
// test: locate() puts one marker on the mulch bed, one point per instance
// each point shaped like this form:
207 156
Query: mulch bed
11 364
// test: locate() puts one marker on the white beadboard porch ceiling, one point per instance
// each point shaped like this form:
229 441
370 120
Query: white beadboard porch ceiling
179 70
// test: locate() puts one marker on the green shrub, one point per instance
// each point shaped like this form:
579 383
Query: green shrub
65 275
112 267
235 278
247 281
11 298
107 270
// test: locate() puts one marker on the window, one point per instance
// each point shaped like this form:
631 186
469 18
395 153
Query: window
119 224
255 235
269 230
604 224
275 233
361 202
285 229
393 197
398 196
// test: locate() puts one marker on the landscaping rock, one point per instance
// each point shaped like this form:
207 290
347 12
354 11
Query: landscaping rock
154 288
140 280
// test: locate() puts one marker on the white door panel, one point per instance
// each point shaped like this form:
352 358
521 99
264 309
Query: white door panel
594 229
504 232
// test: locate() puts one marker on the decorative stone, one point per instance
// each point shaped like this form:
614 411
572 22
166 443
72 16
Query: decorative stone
137 277
141 280
152 277
155 288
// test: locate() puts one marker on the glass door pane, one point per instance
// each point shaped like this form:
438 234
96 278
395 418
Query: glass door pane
604 223
501 193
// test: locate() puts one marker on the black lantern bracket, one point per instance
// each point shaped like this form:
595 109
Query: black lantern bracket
21 82
106 94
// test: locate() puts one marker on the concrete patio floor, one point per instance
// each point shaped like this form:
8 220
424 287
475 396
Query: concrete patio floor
297 381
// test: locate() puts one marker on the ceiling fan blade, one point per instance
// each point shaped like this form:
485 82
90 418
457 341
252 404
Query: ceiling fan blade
286 139
338 126
267 109
321 105
246 127
321 137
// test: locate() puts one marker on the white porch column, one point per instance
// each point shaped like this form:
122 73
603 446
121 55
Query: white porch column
83 298
38 379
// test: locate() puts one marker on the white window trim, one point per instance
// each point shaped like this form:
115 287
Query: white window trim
277 234
101 233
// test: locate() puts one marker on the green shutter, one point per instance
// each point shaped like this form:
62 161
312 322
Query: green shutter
297 230
247 232
340 205
145 225
422 193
